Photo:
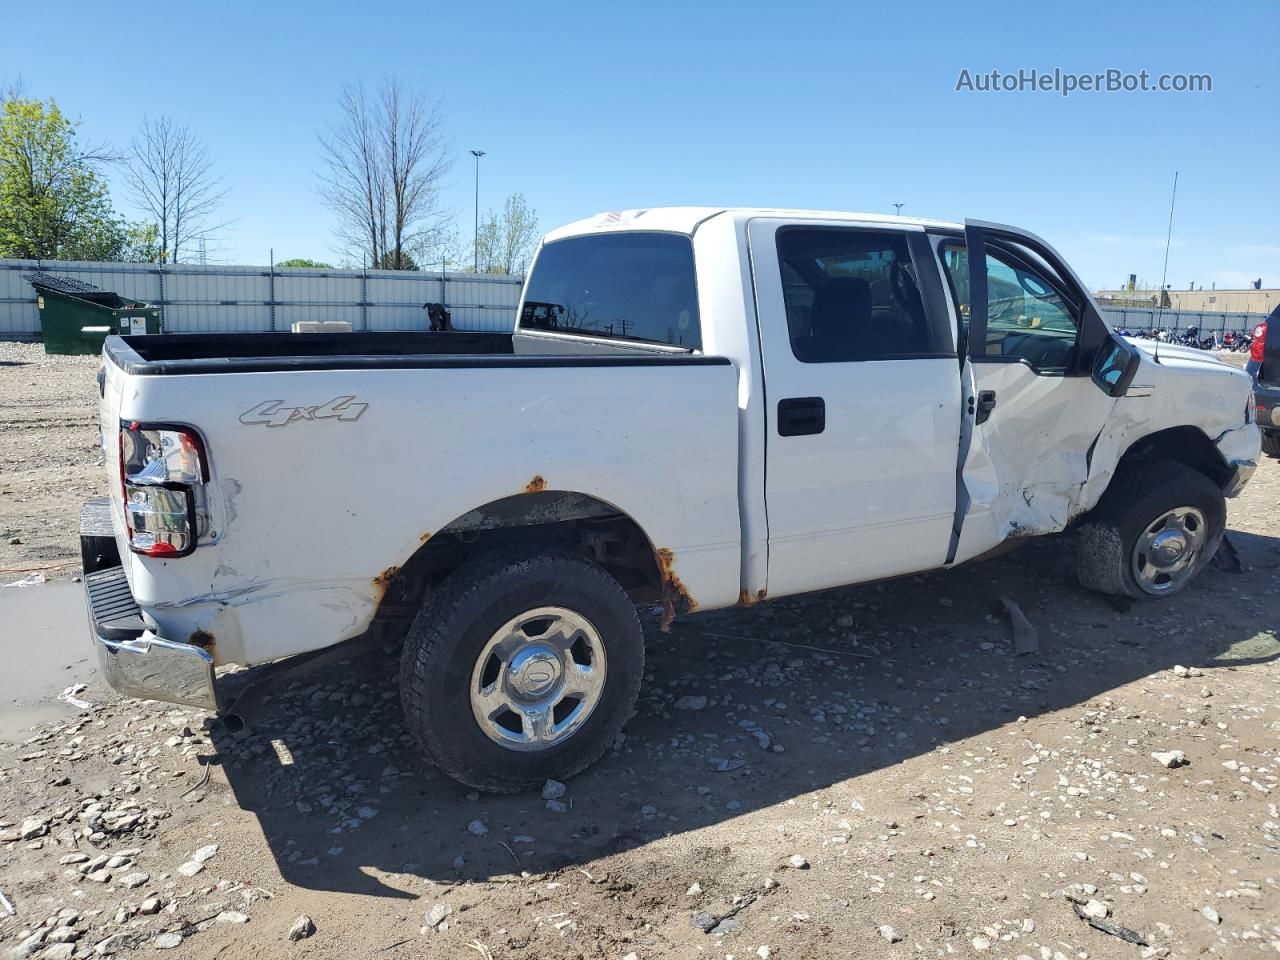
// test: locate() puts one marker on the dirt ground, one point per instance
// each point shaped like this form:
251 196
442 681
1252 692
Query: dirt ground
49 457
862 773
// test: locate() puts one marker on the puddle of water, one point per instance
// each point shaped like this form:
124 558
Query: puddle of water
45 647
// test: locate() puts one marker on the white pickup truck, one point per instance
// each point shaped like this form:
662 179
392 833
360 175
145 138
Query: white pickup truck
698 407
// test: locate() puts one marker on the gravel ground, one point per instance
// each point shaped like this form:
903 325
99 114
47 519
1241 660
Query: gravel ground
866 772
50 461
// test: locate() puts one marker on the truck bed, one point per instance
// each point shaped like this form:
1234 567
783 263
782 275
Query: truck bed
204 353
310 517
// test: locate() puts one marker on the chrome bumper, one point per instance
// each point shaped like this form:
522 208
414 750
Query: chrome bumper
133 659
155 669
1241 474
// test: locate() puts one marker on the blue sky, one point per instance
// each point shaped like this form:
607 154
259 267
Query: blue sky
590 107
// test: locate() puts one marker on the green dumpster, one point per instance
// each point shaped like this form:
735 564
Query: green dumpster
75 317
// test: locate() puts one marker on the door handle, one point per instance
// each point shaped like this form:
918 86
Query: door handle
986 403
801 416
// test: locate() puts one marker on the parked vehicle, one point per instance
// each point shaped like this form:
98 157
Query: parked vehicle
699 408
1236 341
1264 367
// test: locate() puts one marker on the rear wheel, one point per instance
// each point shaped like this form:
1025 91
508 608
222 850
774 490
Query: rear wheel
521 667
1153 531
1271 444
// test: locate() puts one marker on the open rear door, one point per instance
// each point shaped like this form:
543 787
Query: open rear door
1031 412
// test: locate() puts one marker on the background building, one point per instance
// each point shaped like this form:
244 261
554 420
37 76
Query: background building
1260 301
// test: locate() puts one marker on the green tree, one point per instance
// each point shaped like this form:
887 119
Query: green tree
304 262
506 239
141 244
114 240
53 205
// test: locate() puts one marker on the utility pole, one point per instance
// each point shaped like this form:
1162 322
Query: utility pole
477 154
897 209
1168 241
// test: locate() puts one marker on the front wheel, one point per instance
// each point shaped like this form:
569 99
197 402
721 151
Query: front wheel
521 667
1153 531
1271 444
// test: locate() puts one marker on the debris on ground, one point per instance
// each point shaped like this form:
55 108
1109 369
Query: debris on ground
1170 758
1106 926
724 921
302 928
890 934
1227 558
1025 639
30 580
72 693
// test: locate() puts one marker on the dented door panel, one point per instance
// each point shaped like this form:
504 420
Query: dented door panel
1032 418
1053 441
1026 466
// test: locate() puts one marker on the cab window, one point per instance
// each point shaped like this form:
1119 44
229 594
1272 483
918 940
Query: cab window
851 295
1028 317
622 286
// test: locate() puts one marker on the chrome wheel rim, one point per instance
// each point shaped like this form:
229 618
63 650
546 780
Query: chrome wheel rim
538 679
1166 553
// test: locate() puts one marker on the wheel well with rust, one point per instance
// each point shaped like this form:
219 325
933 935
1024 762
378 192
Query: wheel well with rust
575 522
1186 445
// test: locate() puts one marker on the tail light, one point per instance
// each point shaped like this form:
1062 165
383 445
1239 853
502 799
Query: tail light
1259 342
163 473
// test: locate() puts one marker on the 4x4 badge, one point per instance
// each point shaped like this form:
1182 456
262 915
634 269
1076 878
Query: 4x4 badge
273 413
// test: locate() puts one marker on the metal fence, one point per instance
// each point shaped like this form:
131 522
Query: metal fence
220 299
1143 318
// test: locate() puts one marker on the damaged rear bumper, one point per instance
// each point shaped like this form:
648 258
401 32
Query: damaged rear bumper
133 659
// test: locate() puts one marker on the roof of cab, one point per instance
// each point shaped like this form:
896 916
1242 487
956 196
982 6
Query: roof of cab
687 219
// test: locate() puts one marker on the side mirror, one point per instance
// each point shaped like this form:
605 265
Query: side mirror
1115 365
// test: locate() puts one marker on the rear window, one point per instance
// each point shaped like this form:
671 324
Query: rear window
626 286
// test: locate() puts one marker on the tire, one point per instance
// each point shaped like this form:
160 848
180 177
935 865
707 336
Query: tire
1271 444
441 674
1107 554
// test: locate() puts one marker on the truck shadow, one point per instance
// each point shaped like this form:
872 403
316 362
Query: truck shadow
801 694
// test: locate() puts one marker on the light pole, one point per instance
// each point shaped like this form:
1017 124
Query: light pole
477 154
897 209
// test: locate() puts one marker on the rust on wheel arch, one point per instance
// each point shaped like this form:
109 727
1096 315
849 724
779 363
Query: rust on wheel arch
385 577
675 598
536 485
425 536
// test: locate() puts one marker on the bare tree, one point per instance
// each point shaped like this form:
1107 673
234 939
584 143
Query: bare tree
441 248
507 239
15 89
384 160
172 178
